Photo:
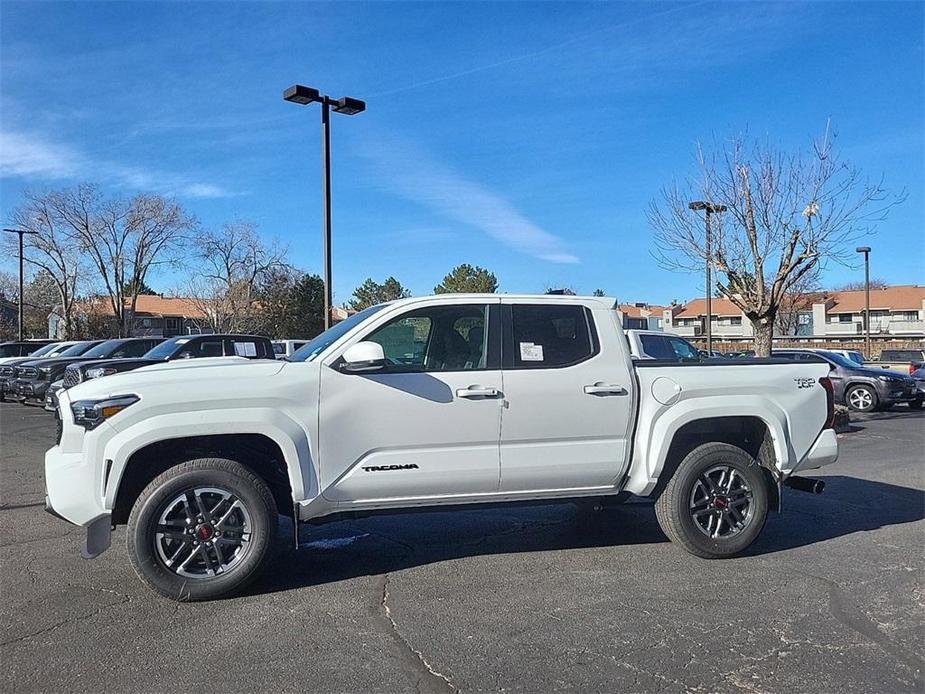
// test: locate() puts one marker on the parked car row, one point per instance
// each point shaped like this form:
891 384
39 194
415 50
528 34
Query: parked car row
39 377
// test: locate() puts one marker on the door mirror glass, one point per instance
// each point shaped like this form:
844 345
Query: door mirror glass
363 356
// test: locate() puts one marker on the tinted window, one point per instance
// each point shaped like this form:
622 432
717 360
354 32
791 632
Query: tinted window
45 350
206 347
656 346
436 338
547 336
10 350
132 348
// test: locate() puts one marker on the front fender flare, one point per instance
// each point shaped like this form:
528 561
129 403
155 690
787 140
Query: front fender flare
291 438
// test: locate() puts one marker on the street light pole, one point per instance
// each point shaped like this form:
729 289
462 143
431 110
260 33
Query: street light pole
348 106
866 251
21 232
708 208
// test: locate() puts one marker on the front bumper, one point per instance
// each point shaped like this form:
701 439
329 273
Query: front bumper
29 390
73 493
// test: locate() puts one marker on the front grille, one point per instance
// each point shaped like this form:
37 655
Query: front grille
71 377
6 371
27 372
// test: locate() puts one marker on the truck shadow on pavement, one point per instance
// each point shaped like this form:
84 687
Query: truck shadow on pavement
381 544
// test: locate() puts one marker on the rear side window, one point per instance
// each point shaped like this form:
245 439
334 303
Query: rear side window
549 336
250 348
656 346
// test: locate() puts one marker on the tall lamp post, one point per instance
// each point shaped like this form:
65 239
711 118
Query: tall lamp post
21 232
708 208
866 251
297 94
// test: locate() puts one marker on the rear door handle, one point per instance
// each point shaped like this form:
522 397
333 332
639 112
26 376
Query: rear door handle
605 389
476 392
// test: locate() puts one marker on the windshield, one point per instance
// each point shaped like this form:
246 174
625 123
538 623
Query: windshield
839 359
76 350
167 347
45 350
103 349
320 343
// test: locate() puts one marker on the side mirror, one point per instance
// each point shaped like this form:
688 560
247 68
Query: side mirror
362 357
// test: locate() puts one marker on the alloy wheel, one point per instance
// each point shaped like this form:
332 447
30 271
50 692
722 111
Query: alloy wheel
721 502
203 532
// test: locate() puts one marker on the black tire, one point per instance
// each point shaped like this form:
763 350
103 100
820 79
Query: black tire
915 404
748 482
862 398
257 522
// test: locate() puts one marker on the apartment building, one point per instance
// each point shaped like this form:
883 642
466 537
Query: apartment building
895 312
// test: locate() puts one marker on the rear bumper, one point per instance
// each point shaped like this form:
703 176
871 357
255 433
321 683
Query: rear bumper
823 452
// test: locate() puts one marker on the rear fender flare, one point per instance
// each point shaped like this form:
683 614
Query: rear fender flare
652 448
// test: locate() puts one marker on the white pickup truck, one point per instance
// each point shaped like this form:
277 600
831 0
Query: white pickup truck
428 402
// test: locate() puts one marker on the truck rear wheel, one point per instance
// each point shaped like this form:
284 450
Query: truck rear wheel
202 530
716 503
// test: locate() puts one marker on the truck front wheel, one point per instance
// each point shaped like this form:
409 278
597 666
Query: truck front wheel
202 529
716 503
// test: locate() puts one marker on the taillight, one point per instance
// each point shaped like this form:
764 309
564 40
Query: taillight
911 369
826 383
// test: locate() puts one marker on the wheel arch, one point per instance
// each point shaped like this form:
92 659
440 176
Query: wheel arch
257 452
268 442
761 432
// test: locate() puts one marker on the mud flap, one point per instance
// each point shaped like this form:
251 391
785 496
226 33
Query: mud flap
99 534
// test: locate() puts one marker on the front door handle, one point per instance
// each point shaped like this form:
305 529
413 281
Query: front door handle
600 388
476 392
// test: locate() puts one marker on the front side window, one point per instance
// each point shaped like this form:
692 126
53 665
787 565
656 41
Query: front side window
435 338
550 336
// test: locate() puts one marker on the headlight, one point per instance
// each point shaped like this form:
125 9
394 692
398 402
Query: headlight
91 413
890 379
100 371
43 372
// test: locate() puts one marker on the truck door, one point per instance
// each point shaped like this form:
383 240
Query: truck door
427 425
568 393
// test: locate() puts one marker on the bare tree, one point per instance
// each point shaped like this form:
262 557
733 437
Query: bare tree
797 300
234 263
52 249
123 239
785 213
875 283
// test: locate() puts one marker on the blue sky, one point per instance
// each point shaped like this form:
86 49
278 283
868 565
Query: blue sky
527 138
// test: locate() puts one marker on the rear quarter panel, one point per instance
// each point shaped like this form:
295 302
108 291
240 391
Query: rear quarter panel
786 397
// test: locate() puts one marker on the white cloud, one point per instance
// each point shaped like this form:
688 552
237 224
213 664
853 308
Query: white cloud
410 173
27 155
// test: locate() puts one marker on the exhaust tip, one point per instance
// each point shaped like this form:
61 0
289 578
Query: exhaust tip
805 484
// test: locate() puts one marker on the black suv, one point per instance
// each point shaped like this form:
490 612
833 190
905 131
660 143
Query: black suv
32 379
860 388
180 347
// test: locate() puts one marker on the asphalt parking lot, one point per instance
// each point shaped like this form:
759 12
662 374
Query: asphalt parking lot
830 599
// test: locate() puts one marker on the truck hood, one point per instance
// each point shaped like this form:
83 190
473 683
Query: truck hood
193 378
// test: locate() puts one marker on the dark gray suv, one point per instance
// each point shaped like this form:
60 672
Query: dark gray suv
861 389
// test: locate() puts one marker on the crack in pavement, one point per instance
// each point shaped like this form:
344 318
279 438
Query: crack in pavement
80 618
429 679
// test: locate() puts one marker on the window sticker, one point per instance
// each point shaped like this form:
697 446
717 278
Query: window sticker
245 349
531 352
